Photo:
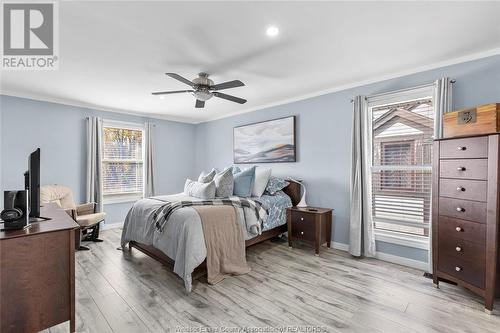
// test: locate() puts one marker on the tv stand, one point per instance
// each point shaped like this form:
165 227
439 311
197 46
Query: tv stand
39 219
37 274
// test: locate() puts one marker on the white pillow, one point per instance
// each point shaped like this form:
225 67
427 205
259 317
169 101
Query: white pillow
206 177
200 190
261 178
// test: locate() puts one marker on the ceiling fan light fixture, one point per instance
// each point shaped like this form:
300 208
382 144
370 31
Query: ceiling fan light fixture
202 95
272 31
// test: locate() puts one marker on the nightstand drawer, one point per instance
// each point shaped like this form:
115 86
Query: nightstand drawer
303 217
302 229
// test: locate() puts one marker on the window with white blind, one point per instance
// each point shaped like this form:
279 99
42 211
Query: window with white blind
122 161
402 132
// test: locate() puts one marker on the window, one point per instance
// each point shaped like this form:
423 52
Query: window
402 130
122 161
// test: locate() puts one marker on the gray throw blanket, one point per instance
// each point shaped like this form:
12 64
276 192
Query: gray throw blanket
161 215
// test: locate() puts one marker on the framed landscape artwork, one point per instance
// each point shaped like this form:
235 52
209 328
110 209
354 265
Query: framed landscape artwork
271 141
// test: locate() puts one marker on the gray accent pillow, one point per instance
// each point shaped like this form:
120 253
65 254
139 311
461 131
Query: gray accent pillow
206 178
199 190
276 184
224 183
243 182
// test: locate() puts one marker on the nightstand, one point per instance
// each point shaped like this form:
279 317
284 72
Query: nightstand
311 225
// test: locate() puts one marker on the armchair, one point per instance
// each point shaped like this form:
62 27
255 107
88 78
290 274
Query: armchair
85 215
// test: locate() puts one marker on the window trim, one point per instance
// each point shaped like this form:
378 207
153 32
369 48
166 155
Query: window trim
398 238
399 96
108 199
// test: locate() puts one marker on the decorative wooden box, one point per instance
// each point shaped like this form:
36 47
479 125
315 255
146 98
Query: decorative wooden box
484 119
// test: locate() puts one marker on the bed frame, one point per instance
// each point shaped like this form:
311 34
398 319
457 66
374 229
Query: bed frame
293 191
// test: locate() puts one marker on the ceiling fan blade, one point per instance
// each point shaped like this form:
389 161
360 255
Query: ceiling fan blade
199 104
180 78
171 92
230 98
227 85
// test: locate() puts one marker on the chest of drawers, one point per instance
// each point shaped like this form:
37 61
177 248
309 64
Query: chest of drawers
465 214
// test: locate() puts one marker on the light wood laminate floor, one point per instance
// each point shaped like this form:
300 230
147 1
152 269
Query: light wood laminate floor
129 292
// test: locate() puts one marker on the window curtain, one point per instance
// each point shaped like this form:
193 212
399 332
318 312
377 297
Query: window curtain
362 237
94 156
442 103
443 88
149 161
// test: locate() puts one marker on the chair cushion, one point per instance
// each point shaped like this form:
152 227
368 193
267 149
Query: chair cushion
90 219
59 194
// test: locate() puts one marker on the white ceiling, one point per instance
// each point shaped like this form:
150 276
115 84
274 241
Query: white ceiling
114 54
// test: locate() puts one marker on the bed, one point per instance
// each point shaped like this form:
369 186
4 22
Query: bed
181 246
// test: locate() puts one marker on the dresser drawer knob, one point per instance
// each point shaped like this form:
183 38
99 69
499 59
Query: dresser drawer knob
460 209
301 232
462 148
461 189
458 248
458 269
302 219
458 229
461 169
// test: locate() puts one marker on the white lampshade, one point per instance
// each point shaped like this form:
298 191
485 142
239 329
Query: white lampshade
302 202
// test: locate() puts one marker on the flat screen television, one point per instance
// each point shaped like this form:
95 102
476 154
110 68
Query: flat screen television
32 183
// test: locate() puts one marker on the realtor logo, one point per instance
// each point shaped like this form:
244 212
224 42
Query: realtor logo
29 35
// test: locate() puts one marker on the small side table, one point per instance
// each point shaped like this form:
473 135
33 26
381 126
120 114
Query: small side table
310 224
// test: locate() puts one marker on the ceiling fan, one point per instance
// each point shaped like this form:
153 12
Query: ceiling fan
204 89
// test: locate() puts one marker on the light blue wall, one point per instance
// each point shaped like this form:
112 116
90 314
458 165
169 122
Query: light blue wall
324 136
182 150
59 130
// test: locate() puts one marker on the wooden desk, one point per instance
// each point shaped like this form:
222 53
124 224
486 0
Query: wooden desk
37 274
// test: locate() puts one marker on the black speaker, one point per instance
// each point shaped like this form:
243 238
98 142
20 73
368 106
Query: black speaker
15 214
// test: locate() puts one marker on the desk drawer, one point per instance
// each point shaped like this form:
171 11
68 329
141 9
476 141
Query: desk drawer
463 209
460 229
476 190
464 148
472 272
464 169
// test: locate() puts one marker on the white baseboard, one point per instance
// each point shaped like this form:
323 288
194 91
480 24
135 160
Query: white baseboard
340 246
420 265
417 264
107 226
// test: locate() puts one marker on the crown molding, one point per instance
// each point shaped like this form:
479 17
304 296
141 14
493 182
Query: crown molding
69 102
450 62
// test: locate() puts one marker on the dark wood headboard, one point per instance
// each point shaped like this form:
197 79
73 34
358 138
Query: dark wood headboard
293 191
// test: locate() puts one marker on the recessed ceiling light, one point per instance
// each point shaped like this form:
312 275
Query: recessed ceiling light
162 97
272 31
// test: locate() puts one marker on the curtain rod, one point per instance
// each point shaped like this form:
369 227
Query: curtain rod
451 81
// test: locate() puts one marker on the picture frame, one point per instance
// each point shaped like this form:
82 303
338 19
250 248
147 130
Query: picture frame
269 141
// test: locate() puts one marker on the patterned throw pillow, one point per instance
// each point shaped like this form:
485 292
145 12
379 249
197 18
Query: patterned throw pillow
199 190
243 182
224 183
206 178
276 184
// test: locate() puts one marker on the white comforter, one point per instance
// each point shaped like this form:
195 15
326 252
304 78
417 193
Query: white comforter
182 239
